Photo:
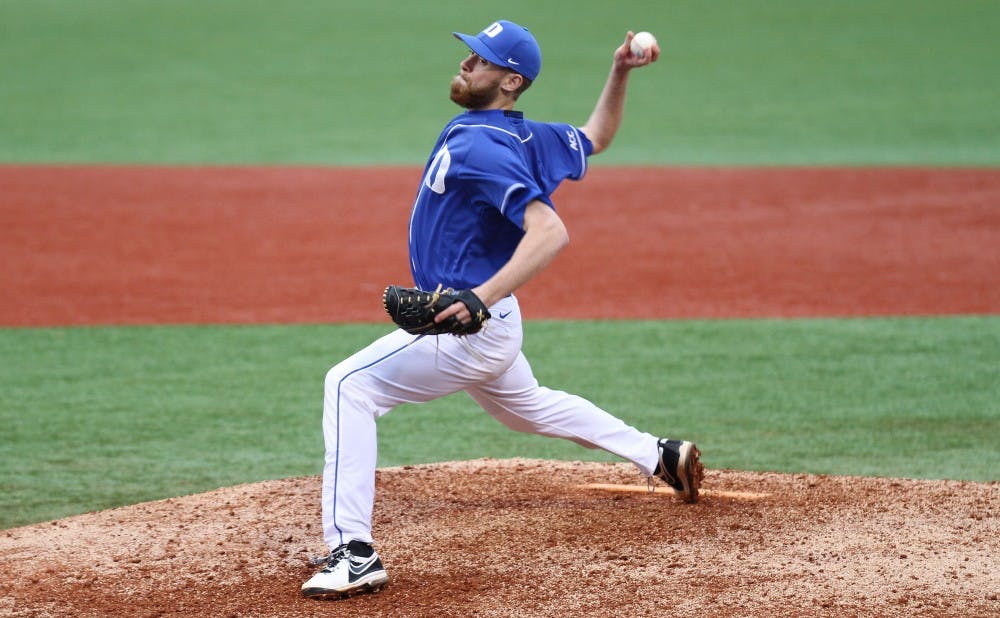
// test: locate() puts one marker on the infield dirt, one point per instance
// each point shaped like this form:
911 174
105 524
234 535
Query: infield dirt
513 537
107 245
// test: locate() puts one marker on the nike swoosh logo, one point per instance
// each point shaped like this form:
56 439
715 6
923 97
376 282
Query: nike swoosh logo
512 61
359 568
503 315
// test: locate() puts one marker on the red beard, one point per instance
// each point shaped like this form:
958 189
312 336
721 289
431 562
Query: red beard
480 98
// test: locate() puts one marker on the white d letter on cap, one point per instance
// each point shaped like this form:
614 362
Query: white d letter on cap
495 29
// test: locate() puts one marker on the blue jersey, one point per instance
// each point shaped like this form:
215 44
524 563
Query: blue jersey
486 167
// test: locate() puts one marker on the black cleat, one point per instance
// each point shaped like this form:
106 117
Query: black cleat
680 468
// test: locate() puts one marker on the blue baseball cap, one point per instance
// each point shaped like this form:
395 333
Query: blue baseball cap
508 45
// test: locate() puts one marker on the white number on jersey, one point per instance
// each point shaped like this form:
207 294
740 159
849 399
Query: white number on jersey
437 170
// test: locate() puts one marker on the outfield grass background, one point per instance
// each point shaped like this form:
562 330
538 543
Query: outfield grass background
97 417
347 83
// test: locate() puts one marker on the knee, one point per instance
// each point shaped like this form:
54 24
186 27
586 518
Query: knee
333 378
337 386
344 391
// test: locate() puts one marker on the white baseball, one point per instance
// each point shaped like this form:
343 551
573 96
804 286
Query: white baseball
641 43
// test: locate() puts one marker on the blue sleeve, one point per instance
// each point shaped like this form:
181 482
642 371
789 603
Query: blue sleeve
564 151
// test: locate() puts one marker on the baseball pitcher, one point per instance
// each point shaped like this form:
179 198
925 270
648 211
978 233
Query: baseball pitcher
483 224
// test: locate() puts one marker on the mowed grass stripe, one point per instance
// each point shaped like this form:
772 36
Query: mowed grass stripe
92 418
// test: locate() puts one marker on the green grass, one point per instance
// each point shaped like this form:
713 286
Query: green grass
337 82
92 418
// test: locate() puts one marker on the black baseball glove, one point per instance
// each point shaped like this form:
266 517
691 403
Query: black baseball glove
414 310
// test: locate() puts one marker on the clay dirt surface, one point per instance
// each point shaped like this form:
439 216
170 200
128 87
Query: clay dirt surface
109 245
148 245
529 538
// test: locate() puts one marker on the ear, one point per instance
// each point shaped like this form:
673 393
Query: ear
512 81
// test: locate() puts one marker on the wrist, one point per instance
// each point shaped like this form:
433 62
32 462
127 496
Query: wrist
484 295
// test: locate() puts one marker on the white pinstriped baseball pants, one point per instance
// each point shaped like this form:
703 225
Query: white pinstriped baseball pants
401 368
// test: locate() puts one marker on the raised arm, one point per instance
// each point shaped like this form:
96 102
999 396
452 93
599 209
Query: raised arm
607 115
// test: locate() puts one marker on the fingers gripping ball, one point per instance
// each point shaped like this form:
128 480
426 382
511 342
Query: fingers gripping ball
414 310
642 43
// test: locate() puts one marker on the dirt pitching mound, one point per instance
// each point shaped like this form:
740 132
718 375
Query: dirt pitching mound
532 538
